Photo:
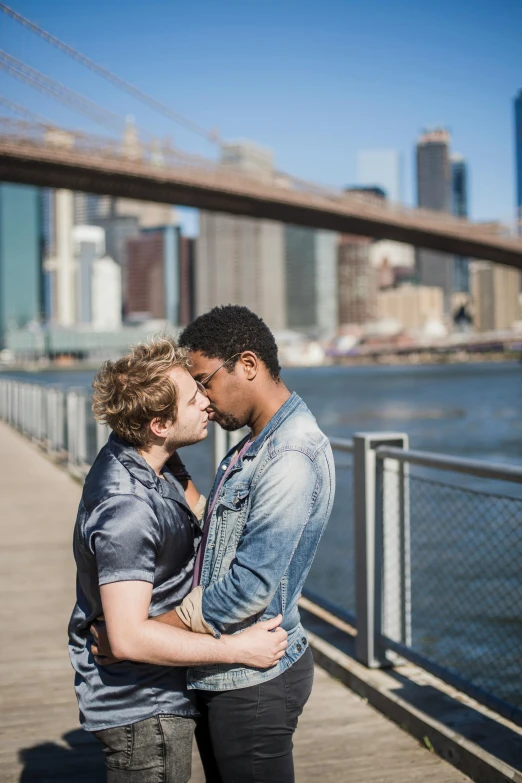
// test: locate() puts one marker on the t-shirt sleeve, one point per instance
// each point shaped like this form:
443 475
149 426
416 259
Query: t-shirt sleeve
123 537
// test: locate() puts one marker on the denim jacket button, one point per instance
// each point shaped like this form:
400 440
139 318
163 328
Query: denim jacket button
299 648
304 640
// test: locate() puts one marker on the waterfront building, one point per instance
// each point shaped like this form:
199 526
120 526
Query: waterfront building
147 213
459 207
434 192
106 295
311 280
60 263
518 156
118 230
383 169
89 245
414 307
495 296
357 281
152 276
240 260
187 280
87 208
251 158
21 242
396 254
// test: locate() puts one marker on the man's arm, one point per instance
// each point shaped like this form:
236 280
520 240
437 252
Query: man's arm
135 637
282 504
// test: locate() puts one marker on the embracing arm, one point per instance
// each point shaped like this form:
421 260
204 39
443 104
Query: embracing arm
135 637
284 498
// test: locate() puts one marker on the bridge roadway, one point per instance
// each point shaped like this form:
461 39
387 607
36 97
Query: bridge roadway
340 738
37 155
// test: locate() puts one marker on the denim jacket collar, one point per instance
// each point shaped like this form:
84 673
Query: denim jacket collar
139 469
286 409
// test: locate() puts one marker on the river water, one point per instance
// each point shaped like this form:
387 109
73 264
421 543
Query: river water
466 534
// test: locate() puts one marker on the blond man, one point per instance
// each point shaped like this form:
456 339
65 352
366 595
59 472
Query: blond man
134 544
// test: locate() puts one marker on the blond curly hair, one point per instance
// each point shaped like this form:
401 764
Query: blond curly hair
132 391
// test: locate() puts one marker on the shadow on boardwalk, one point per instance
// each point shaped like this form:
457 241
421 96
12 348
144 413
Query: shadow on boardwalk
80 759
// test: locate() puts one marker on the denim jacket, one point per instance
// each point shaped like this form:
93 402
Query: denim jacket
264 531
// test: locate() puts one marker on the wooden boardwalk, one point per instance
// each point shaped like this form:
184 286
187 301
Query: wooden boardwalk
340 738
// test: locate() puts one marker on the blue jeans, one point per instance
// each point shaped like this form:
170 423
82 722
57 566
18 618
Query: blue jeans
155 750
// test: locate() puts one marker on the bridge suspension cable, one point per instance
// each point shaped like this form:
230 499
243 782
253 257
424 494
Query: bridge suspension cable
140 95
22 111
59 92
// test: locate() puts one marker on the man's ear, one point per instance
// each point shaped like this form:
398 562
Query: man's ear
250 364
160 428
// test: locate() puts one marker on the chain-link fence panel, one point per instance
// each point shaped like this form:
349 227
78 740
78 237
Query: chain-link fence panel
465 548
332 575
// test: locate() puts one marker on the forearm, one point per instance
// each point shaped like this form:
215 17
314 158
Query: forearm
155 642
239 595
171 618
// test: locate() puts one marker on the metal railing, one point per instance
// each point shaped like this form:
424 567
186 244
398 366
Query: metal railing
425 568
60 420
437 566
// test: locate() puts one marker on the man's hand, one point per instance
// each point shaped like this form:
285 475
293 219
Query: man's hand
101 648
259 646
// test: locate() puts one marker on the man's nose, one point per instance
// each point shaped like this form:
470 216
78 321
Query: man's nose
203 401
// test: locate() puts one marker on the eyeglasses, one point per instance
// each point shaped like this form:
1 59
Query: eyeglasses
202 385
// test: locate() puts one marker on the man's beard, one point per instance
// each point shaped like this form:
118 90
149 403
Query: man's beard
227 421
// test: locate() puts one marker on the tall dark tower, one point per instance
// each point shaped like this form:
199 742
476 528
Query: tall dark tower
459 207
518 156
434 192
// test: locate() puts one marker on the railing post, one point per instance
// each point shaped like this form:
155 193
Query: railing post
369 545
223 442
102 435
72 429
220 445
82 430
393 526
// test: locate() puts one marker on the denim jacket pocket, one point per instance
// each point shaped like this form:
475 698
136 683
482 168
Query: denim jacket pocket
231 511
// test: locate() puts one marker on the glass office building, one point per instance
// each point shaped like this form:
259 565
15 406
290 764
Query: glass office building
21 245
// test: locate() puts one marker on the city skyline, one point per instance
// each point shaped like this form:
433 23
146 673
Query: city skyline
319 97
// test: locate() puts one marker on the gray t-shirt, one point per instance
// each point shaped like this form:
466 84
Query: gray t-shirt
131 525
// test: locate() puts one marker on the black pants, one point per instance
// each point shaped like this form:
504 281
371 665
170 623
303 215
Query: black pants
245 735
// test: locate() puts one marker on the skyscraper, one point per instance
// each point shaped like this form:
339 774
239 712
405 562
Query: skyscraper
311 280
152 277
518 156
459 207
434 192
89 245
495 290
21 244
357 281
381 168
240 260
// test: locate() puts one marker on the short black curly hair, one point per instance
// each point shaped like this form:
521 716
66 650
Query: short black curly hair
230 329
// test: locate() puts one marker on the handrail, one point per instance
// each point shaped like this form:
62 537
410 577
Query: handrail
342 444
470 467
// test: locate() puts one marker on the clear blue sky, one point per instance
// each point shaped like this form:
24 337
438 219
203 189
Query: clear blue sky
316 81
